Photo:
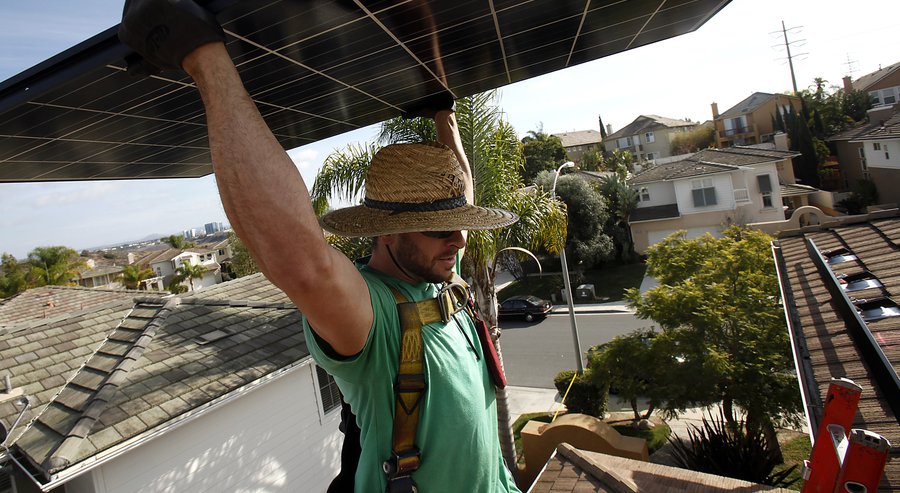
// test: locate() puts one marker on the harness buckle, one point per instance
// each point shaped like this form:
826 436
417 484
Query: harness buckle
399 468
451 298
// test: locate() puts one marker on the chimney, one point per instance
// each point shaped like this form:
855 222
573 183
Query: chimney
848 85
781 141
608 129
715 110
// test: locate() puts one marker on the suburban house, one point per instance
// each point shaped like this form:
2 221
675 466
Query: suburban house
648 137
750 121
882 85
165 263
840 283
208 392
871 151
578 142
709 190
97 276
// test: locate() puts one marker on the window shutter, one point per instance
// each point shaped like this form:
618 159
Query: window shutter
698 197
765 183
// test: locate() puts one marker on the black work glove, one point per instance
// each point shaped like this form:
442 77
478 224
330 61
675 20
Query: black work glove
428 107
165 31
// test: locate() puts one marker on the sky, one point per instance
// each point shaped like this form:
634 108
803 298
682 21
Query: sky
737 52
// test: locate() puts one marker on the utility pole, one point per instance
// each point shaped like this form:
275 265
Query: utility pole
790 57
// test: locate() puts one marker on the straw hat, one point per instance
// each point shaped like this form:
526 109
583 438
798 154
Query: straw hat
414 187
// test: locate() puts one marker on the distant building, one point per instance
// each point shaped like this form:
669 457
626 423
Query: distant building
751 121
648 137
212 228
578 142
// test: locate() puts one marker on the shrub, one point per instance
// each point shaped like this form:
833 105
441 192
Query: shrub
585 397
730 450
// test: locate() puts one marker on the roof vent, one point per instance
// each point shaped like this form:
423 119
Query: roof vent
858 282
839 255
212 336
877 309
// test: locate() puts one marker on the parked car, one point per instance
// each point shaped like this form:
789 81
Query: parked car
527 306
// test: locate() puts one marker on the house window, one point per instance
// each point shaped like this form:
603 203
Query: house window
876 146
888 96
765 189
862 158
873 96
704 192
644 195
328 389
651 156
648 137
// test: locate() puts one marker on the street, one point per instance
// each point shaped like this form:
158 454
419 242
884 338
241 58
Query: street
533 353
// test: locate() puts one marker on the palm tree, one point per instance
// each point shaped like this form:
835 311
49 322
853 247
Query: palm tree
494 152
189 272
133 274
622 200
177 242
53 266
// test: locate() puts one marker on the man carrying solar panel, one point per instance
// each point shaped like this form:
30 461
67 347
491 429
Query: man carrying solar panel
418 206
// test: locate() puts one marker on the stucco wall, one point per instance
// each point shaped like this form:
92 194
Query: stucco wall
269 440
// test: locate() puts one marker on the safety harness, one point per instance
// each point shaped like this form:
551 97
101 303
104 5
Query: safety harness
411 380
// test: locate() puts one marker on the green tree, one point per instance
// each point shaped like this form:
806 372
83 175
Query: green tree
12 276
133 274
701 137
587 241
177 242
617 160
543 152
188 272
591 160
631 365
495 156
53 266
242 263
621 201
718 302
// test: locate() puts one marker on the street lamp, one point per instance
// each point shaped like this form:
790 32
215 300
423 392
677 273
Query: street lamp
565 272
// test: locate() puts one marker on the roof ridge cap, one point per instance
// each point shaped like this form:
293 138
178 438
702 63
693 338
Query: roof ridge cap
61 457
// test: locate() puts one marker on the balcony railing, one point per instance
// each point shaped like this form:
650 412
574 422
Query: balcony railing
731 132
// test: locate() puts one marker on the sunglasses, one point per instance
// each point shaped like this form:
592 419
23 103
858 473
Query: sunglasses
440 235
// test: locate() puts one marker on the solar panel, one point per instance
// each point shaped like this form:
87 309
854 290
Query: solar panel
315 69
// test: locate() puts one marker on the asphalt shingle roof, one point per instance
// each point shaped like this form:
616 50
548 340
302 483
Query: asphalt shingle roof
747 105
827 346
644 123
867 80
145 364
579 137
710 161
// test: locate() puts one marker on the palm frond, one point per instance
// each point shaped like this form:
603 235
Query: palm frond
342 176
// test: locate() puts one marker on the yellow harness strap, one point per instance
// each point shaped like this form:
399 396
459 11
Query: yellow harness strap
411 383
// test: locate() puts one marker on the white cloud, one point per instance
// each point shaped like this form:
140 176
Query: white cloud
82 194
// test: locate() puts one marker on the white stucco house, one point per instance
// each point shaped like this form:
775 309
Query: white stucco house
168 394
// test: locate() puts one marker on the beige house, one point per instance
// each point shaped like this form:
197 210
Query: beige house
750 121
578 142
710 190
648 137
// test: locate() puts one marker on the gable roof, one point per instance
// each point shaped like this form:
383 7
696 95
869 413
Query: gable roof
864 82
147 364
644 123
710 161
746 106
49 303
579 137
828 340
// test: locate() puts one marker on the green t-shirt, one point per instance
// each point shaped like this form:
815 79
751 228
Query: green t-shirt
457 431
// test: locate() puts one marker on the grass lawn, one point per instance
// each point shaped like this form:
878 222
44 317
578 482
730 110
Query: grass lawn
795 452
656 437
609 283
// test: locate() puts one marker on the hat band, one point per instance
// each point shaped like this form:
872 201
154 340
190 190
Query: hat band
398 207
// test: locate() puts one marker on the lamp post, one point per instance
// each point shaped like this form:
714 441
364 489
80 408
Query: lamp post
565 272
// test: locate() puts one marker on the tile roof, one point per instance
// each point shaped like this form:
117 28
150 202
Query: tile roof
824 337
579 137
710 161
145 364
159 256
867 80
645 123
890 129
747 105
571 470
39 305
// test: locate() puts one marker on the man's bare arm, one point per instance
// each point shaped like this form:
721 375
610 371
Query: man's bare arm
269 207
448 134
